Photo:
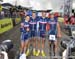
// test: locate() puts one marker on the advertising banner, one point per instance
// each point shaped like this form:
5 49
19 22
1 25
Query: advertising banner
17 20
5 25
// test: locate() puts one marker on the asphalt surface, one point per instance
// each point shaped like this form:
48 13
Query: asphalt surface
14 35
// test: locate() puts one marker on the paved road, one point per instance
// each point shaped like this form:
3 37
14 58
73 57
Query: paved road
14 35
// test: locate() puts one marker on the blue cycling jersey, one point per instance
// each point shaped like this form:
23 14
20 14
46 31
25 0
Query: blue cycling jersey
42 24
53 26
24 33
33 24
24 26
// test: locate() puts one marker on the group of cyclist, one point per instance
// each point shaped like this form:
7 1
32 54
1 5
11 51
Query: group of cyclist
34 28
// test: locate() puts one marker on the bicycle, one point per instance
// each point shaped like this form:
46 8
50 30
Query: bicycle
69 47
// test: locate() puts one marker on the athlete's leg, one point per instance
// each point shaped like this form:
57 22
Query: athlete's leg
34 46
22 43
34 42
38 39
43 44
26 47
27 43
38 43
34 39
22 47
56 47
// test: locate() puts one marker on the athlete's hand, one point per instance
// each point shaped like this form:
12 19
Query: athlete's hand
27 29
22 25
47 27
59 35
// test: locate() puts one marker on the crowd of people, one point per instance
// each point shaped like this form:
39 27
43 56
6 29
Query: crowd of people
34 29
9 14
69 20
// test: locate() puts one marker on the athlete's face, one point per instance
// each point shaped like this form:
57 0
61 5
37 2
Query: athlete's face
34 15
52 16
43 14
27 18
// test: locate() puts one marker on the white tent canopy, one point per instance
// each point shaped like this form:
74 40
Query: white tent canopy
40 4
9 1
37 4
23 3
73 6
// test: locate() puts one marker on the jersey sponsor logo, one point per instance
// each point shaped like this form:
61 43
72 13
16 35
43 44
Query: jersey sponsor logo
42 22
32 22
26 25
52 22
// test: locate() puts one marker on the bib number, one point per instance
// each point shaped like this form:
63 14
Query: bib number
52 37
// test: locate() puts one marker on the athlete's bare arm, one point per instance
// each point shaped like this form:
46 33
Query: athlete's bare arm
58 30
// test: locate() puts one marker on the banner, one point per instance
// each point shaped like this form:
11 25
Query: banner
0 8
17 20
5 25
60 19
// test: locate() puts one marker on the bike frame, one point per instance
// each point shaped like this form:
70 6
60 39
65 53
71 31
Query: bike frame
67 51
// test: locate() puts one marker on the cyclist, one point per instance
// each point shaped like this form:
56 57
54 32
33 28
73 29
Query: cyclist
54 30
33 30
25 35
42 32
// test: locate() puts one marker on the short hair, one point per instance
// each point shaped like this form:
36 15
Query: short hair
44 11
27 15
33 12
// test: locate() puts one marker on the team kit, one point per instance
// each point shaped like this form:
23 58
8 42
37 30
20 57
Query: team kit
36 27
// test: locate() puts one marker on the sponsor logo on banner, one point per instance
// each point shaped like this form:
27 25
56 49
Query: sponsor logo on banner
5 25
